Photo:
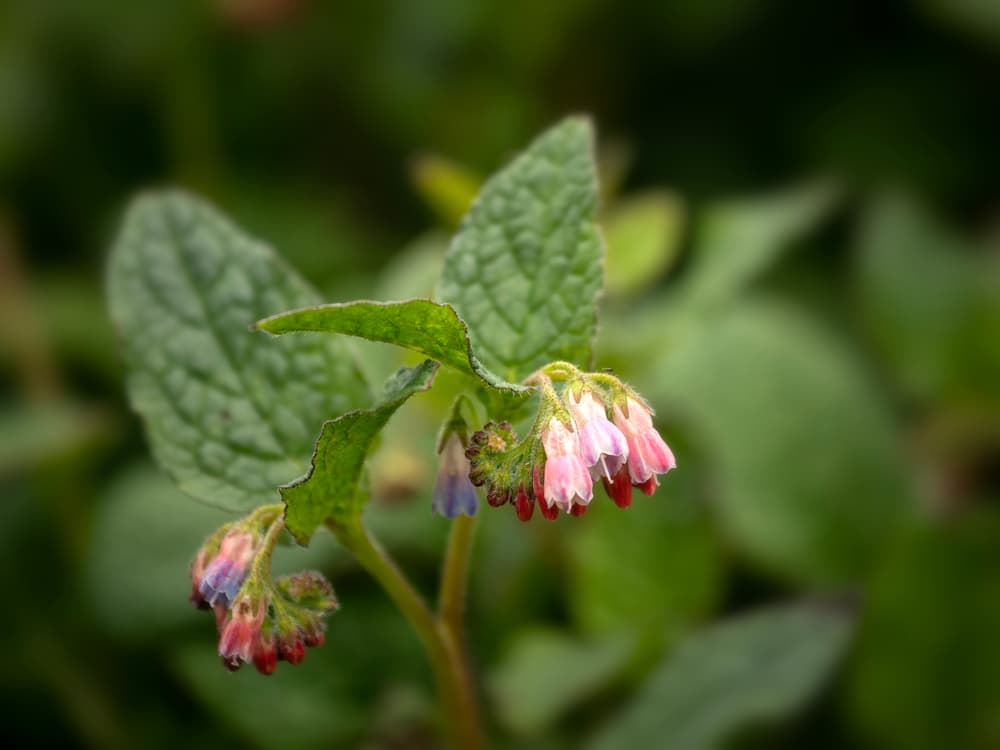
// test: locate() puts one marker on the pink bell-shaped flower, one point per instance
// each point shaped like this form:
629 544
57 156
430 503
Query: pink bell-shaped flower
567 479
648 454
602 444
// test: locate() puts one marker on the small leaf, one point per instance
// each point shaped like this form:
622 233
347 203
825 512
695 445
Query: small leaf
547 672
643 235
330 490
430 328
230 415
761 667
737 240
446 187
525 269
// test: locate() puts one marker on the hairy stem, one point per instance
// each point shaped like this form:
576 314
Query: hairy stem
442 646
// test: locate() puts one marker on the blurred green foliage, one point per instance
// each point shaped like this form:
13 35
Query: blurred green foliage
804 260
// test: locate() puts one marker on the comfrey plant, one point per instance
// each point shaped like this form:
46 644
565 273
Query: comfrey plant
233 414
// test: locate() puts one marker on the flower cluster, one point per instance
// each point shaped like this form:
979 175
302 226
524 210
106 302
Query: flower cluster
597 429
259 620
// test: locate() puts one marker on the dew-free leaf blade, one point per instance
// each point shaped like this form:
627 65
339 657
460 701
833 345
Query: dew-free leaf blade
330 490
430 328
756 668
230 414
526 266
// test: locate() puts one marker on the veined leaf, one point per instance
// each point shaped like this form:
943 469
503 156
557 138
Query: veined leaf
330 490
230 414
526 267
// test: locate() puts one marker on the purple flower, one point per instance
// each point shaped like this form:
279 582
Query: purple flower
567 480
454 493
602 445
223 576
648 454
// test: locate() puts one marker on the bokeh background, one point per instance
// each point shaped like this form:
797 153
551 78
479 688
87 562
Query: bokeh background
803 217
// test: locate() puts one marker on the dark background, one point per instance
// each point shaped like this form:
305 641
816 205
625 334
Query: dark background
319 126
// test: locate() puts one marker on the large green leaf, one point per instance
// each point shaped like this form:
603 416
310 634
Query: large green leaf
230 414
428 327
757 668
931 303
330 490
802 455
525 268
546 672
927 668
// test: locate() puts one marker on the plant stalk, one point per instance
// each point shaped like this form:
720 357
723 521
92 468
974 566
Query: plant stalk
441 641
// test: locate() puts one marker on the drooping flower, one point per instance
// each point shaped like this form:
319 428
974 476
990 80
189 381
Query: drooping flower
238 641
567 479
602 444
648 454
454 492
222 578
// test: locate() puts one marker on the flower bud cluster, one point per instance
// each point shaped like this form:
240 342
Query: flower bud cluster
259 620
597 429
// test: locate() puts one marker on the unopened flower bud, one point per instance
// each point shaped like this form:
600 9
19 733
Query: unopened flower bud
265 654
619 488
524 504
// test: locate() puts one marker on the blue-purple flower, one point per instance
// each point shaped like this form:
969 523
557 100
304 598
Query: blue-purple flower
454 493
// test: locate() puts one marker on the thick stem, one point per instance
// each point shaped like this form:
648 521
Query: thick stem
454 572
451 608
442 649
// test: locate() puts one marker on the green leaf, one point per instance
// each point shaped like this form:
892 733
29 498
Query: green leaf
643 236
547 672
806 475
230 415
525 269
430 328
927 667
760 667
674 566
736 241
330 490
930 302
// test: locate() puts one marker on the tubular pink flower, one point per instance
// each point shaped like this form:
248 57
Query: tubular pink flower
567 480
648 454
602 445
238 641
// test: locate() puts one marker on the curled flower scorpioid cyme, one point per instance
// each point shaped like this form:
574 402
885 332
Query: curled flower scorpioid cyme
259 620
596 428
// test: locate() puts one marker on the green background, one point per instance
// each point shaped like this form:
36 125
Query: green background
803 221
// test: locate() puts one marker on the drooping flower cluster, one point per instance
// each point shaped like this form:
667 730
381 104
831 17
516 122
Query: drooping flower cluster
259 620
598 429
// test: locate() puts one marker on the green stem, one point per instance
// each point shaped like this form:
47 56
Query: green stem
442 647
